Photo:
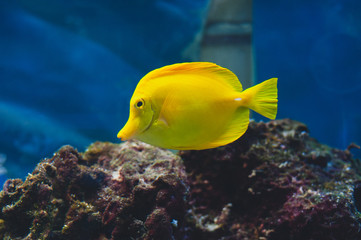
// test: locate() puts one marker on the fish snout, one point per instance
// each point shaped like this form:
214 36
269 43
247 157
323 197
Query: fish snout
129 130
122 136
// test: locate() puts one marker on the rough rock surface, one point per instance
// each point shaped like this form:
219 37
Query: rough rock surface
128 191
275 182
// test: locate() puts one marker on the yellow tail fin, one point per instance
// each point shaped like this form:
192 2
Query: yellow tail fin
262 98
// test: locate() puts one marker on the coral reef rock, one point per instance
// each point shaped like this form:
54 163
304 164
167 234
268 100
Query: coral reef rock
127 191
274 183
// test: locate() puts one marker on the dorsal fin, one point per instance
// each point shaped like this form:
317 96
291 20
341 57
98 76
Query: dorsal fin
212 70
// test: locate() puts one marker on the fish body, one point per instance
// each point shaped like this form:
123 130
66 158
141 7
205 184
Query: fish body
196 105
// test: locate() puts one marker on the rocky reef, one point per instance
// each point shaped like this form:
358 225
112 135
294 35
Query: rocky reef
275 182
127 191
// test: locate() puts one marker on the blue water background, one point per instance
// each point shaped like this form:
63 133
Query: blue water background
68 68
314 47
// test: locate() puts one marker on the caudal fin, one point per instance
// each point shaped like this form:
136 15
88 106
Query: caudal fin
262 98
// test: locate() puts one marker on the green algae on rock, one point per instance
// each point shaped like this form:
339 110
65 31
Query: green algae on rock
110 191
275 183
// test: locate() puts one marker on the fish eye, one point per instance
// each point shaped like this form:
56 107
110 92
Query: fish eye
139 103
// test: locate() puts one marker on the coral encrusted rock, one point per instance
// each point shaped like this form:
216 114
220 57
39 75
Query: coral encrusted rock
274 183
127 191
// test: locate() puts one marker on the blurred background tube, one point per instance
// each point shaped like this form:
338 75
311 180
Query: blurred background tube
227 37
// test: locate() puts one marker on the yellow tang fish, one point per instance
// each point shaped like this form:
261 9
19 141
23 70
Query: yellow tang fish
195 105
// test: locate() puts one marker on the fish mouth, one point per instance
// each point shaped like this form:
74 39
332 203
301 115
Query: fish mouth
136 125
131 129
128 131
122 136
